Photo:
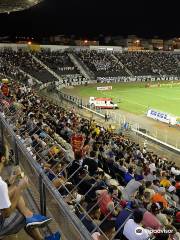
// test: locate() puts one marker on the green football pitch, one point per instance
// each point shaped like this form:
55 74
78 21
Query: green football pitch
136 98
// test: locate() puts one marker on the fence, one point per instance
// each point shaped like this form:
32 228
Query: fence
33 162
119 118
47 196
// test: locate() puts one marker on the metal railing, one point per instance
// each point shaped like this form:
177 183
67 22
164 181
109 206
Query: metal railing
48 195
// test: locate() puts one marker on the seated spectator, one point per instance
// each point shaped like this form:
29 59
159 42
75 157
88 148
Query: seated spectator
147 200
133 225
151 221
105 201
131 189
156 185
159 197
165 182
11 199
172 188
157 209
124 214
149 188
128 176
91 162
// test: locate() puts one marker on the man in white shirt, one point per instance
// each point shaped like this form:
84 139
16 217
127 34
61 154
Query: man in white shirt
4 197
175 171
11 200
152 167
133 230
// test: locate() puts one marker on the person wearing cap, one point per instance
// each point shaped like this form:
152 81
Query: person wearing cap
159 197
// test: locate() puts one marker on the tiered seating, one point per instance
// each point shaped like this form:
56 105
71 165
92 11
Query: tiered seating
101 63
149 63
87 163
22 60
58 61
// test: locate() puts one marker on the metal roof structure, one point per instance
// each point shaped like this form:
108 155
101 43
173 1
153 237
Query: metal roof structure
7 6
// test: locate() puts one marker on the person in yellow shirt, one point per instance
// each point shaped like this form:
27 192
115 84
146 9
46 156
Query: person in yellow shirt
97 130
165 182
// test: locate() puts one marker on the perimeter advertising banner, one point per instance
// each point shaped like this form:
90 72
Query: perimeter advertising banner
161 116
105 88
178 121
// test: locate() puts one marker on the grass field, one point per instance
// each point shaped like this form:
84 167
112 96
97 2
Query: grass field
135 98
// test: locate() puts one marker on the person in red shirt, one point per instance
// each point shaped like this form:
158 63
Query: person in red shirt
77 142
105 200
5 89
151 221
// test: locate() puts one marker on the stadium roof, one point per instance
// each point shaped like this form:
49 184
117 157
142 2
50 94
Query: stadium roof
7 6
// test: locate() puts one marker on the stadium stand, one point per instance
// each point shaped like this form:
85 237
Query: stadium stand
104 66
101 63
16 61
58 61
110 182
150 63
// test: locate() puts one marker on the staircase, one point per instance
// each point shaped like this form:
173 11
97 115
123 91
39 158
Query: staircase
122 65
33 78
85 71
60 80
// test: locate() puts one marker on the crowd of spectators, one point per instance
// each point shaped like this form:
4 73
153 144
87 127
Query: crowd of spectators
101 63
58 61
149 63
105 66
112 184
13 62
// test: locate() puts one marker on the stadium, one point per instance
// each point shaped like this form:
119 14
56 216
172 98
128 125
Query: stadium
89 141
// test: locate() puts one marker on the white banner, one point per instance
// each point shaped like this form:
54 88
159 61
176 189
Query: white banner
161 116
104 88
137 78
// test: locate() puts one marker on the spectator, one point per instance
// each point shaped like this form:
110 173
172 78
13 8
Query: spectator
105 200
12 199
133 225
159 197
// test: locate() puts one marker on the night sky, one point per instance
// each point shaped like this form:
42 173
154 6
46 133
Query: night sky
92 18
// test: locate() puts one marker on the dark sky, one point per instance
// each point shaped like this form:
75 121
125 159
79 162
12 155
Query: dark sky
91 18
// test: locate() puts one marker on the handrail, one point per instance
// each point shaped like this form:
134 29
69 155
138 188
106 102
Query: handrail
156 140
133 129
77 227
